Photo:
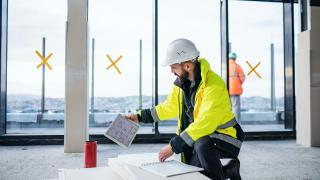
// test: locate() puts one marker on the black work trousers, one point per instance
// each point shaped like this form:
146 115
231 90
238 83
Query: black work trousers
207 153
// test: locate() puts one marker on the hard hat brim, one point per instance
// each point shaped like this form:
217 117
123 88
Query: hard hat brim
169 62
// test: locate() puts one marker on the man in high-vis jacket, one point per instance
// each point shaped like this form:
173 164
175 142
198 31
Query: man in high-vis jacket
207 129
236 79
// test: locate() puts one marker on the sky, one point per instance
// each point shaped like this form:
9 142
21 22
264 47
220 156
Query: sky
119 25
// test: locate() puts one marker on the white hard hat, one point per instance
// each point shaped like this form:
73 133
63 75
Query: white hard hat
180 50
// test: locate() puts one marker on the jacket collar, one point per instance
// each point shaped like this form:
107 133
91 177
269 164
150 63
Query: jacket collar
205 69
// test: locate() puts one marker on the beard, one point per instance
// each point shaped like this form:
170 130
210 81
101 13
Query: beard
184 76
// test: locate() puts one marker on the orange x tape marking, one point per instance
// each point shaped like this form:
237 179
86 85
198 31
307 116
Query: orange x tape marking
44 60
253 69
113 63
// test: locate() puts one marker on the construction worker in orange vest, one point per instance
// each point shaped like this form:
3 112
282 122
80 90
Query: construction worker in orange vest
236 79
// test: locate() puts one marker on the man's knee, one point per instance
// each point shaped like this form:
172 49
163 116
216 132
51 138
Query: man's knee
202 144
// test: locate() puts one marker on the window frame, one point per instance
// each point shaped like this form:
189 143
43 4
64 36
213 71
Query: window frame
14 139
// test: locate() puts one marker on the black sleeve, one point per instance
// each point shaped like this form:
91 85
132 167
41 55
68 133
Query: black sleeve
178 145
145 116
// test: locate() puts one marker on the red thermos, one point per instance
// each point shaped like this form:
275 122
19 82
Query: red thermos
90 154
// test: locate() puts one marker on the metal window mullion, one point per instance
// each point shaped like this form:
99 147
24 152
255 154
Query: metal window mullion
224 30
288 31
3 65
155 59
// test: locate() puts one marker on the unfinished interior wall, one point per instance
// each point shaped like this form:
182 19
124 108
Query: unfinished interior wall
308 82
77 79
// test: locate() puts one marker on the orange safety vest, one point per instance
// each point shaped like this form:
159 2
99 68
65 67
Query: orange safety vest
236 78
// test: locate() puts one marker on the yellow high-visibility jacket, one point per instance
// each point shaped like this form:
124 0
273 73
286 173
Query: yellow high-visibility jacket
212 107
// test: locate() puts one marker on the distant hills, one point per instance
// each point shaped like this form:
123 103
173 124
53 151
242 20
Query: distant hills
32 103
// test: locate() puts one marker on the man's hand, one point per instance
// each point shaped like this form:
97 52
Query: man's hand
165 153
133 117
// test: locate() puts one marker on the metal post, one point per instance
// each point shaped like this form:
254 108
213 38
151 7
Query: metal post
43 76
92 81
273 98
155 60
43 106
140 75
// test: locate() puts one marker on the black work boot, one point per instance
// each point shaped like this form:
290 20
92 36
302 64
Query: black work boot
232 170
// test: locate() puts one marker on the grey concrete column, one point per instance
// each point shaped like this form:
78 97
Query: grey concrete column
308 82
77 79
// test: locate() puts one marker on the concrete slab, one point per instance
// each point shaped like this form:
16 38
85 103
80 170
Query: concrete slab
259 160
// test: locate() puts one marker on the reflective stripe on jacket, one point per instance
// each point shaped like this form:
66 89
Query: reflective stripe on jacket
212 107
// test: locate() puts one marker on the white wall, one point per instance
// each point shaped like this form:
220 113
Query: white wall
77 70
308 82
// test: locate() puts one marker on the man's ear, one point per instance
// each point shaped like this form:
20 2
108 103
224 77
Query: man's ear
187 66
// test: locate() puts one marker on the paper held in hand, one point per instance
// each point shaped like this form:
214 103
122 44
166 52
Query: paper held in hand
122 131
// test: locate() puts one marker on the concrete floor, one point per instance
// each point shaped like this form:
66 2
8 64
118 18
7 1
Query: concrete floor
259 160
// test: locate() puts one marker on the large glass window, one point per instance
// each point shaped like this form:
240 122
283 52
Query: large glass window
198 21
118 27
256 36
28 23
120 59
